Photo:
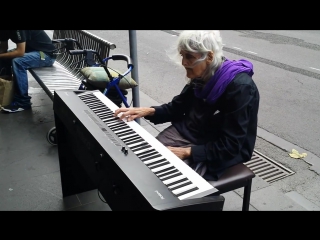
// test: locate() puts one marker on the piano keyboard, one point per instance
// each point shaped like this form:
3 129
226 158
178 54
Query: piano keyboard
177 176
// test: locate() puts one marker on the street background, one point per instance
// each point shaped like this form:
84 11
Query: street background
286 71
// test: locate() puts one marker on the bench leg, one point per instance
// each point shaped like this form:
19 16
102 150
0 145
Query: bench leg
246 196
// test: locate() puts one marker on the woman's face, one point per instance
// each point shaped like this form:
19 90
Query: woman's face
188 61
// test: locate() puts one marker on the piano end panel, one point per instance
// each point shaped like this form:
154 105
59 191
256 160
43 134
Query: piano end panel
208 203
119 191
74 164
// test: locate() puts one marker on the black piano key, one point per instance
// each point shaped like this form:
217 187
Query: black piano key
119 128
95 108
188 191
166 173
136 147
115 123
130 137
121 124
99 111
151 154
140 148
164 170
119 131
151 151
126 133
149 158
89 101
133 140
110 119
171 176
95 105
181 185
178 181
156 162
161 164
111 123
104 114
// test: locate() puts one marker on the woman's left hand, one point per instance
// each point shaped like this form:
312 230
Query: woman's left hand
181 152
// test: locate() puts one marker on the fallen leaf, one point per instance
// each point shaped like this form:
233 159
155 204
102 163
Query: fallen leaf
295 154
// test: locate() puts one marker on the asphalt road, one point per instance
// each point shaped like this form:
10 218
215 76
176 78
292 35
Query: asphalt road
286 66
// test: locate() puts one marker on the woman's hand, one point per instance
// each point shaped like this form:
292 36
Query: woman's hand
133 112
181 152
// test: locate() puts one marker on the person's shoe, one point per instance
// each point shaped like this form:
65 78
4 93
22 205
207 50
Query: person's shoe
13 107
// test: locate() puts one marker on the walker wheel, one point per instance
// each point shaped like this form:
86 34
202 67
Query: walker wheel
52 136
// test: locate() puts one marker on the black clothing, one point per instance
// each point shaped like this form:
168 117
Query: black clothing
224 133
36 40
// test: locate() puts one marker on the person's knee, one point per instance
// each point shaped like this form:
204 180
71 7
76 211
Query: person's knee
17 61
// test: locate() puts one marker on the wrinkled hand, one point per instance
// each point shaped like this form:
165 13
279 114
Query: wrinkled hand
181 152
133 112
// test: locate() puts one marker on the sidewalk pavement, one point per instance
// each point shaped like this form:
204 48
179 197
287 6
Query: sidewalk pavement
30 174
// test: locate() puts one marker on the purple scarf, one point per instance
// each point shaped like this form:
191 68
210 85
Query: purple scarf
222 77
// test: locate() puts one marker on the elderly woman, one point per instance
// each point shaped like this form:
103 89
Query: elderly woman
214 118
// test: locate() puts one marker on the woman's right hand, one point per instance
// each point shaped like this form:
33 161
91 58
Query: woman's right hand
133 112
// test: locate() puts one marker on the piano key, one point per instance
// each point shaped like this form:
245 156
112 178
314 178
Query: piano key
154 163
122 130
143 151
173 180
177 181
132 140
141 147
125 133
129 136
167 172
113 123
139 143
153 160
119 128
183 189
151 157
181 184
159 165
168 176
152 154
159 169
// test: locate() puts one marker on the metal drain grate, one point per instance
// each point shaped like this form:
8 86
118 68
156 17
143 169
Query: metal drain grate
266 168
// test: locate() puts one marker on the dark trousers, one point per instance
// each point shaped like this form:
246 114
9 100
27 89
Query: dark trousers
171 137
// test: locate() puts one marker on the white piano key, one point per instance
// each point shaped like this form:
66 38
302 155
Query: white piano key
166 182
143 150
130 135
179 184
161 168
153 160
183 189
169 175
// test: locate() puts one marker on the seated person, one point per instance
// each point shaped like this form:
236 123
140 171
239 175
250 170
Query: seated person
214 118
34 49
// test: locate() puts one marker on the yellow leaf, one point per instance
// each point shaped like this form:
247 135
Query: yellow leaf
295 154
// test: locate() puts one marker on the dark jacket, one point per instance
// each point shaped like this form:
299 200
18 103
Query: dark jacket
224 133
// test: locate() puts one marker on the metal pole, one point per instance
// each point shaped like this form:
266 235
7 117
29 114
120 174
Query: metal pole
134 72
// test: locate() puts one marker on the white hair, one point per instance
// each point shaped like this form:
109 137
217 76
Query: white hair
201 41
